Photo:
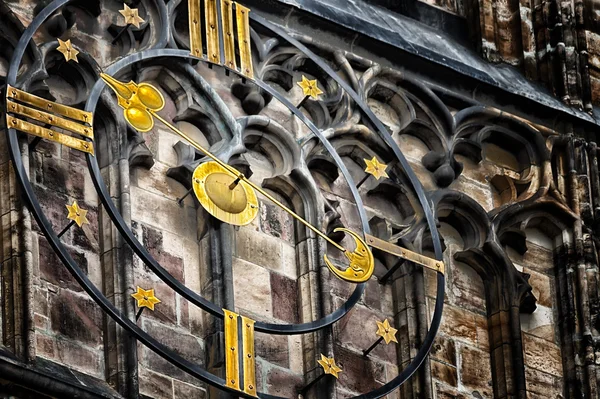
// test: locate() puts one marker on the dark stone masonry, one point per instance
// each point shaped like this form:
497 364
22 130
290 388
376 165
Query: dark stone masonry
494 104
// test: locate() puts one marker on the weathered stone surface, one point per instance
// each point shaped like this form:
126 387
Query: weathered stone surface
154 385
252 288
272 348
76 317
444 373
359 374
281 382
180 342
475 371
276 222
285 298
542 355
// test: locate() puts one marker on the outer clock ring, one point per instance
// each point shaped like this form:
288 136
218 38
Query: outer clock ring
114 313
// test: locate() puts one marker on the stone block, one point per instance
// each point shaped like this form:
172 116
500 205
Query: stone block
444 350
44 346
444 373
154 385
260 249
543 385
53 271
185 391
76 317
252 288
276 222
542 355
272 348
359 373
475 370
181 342
357 332
281 382
466 288
285 298
79 357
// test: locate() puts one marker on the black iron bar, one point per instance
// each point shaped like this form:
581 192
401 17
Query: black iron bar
234 183
310 384
67 227
34 143
180 200
383 280
123 29
366 352
139 313
302 102
364 179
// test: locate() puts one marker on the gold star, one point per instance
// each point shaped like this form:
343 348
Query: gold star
77 214
310 88
376 168
329 366
131 16
145 298
66 48
387 332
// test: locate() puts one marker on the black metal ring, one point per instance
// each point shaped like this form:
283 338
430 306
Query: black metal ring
148 259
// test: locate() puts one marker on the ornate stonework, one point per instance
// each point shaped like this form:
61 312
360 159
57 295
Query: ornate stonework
514 188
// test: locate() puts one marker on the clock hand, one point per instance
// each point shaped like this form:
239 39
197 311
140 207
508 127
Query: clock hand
142 102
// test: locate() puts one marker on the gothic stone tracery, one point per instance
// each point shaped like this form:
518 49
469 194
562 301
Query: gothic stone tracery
516 202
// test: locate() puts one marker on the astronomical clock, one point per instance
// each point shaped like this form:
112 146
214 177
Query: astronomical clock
226 206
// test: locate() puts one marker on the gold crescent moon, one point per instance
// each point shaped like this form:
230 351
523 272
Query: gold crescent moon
362 263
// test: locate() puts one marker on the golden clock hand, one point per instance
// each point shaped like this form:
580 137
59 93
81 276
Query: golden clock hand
142 102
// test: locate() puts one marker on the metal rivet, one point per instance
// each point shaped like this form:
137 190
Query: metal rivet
230 316
212 26
233 381
14 106
250 386
14 93
232 348
49 105
249 355
85 146
248 325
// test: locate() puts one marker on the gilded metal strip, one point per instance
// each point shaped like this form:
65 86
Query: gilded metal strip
232 365
38 102
249 362
212 31
48 134
228 33
51 119
244 45
436 265
195 20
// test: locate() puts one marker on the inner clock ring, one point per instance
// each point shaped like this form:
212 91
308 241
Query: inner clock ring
148 259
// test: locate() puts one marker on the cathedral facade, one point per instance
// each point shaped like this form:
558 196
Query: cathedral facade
299 198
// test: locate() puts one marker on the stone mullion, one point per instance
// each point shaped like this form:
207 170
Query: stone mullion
117 263
18 330
407 321
581 205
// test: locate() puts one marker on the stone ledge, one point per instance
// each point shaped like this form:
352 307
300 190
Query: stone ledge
52 379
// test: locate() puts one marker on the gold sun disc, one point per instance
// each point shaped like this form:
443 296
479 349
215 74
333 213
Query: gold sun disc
235 204
230 200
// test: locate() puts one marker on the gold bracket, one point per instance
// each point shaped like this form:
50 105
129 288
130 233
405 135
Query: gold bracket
430 263
239 351
220 16
22 104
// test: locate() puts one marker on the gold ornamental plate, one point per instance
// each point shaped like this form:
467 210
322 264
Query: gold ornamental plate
223 195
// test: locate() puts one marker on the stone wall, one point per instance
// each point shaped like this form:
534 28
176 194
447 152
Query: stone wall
516 203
